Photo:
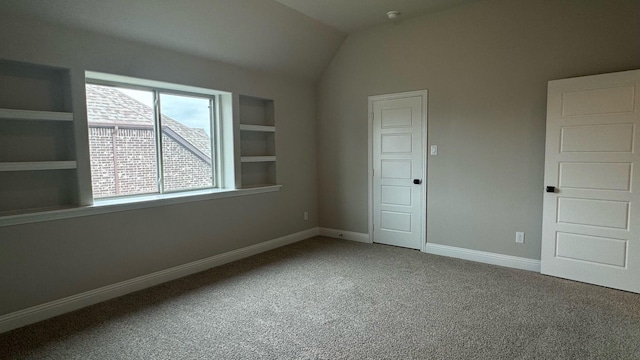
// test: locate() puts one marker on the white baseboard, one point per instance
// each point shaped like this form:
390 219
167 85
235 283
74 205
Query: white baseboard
57 307
484 257
347 235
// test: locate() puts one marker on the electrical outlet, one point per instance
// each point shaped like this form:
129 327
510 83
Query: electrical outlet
305 215
519 237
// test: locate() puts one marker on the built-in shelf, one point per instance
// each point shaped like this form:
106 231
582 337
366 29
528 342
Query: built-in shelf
262 128
13 114
257 142
38 159
17 213
258 174
37 165
248 159
254 186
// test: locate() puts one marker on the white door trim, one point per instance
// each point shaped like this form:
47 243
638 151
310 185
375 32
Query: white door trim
423 207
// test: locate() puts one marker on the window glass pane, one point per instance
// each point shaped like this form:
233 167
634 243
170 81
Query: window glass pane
121 141
186 142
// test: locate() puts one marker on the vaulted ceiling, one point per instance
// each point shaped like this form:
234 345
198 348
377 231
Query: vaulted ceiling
293 37
355 15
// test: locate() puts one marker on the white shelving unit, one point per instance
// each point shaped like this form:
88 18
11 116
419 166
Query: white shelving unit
38 165
257 142
259 128
253 159
14 114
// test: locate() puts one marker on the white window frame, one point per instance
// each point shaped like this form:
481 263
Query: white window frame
158 88
214 116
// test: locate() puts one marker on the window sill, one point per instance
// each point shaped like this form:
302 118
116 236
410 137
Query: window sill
131 203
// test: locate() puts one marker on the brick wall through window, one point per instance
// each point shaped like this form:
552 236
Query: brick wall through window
123 149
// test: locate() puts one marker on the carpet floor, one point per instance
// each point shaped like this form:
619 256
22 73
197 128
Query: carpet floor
324 298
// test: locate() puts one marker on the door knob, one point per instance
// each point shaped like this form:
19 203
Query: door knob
551 189
417 181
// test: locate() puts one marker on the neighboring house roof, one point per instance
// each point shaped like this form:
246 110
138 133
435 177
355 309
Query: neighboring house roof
106 106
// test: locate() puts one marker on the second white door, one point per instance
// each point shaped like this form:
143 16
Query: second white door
398 163
590 222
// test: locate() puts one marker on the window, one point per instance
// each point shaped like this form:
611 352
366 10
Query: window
146 140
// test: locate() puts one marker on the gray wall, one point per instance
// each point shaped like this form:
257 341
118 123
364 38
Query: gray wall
48 260
486 66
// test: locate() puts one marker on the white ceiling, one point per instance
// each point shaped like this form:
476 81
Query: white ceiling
259 34
353 15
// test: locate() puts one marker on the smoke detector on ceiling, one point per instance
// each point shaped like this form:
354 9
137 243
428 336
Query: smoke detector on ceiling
393 14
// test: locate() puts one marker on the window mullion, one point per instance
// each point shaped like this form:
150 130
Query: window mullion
158 140
214 133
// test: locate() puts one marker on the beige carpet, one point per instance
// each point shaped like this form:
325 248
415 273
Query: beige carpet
330 299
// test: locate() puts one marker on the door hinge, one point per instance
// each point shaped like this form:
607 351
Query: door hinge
373 172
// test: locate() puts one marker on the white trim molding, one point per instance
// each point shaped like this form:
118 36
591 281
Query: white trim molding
347 235
484 257
74 302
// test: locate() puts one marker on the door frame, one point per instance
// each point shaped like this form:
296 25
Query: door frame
425 107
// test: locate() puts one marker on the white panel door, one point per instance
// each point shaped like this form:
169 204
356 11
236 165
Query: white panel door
591 218
398 169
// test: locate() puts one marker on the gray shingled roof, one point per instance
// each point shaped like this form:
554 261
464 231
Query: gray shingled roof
106 106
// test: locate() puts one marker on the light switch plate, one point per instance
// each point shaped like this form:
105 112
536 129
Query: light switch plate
434 149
